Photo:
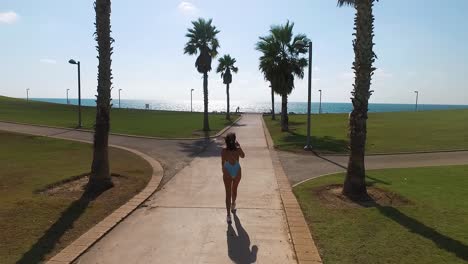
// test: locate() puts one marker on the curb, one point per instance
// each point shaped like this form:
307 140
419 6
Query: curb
128 135
303 243
93 235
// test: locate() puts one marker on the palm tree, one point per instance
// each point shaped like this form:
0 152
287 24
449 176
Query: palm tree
266 64
354 184
100 178
225 66
202 40
281 62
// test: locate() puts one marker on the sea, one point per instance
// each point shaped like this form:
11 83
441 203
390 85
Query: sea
252 107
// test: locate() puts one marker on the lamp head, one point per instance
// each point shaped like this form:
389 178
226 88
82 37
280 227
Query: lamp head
72 61
300 43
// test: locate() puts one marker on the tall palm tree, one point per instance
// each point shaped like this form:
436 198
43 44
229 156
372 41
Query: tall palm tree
225 66
281 62
364 57
100 178
202 40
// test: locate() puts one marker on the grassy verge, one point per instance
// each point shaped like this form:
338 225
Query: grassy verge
36 225
386 132
432 229
125 121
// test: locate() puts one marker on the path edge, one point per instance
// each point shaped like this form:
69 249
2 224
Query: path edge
302 241
79 246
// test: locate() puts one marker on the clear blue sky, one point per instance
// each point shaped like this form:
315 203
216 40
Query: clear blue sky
421 45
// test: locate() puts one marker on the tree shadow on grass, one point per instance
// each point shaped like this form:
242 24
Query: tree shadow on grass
442 241
323 144
375 180
414 226
47 242
239 250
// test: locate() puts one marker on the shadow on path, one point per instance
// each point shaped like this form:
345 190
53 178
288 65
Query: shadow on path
238 244
194 148
331 161
47 242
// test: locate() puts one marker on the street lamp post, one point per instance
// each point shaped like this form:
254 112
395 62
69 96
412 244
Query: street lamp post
320 104
191 92
301 43
119 97
68 102
416 106
27 95
79 90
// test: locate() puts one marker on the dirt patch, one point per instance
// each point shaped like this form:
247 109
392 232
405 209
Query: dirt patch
331 196
75 187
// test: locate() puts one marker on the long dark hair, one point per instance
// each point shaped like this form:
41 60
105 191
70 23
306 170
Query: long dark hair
230 140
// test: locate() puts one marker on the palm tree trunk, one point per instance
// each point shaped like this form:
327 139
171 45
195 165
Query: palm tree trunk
354 185
206 125
100 178
284 113
228 117
272 105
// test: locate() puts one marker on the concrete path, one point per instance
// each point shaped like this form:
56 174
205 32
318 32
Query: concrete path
172 154
185 222
300 167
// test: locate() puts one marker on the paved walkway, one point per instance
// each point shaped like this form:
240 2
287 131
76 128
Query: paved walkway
299 167
185 222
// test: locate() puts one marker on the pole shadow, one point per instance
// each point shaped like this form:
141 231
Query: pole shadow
239 250
45 244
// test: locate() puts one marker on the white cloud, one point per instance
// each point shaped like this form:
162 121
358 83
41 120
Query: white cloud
187 7
48 61
9 17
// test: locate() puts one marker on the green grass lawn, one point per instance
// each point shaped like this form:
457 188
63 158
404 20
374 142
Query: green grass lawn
126 121
35 225
386 132
431 229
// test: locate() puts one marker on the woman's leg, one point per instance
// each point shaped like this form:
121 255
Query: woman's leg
227 186
235 184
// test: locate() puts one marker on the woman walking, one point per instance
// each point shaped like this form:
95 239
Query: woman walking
231 172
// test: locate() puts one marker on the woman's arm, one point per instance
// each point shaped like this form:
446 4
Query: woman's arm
222 160
241 152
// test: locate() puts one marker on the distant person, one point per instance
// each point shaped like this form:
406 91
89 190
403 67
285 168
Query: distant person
237 110
231 172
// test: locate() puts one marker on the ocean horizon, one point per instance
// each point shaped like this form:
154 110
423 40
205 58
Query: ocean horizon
253 107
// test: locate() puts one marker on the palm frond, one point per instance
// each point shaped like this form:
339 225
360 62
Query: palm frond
346 2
